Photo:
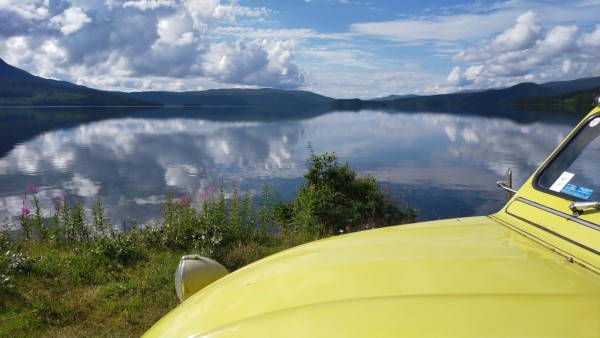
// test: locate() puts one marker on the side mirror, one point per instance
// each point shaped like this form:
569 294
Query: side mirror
195 272
507 184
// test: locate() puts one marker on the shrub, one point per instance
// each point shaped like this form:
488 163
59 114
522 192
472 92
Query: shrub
13 262
334 199
121 247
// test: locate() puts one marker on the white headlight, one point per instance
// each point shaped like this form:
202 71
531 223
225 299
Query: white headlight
195 272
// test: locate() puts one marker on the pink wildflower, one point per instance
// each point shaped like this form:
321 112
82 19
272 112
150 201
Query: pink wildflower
31 188
25 212
185 200
208 193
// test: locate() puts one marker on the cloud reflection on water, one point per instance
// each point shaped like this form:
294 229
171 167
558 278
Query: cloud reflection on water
139 159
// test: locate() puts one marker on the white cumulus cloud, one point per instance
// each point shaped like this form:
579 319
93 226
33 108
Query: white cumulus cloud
455 77
591 40
149 4
160 44
70 21
561 39
526 52
259 62
175 30
523 35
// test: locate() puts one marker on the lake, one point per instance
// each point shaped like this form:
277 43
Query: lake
444 164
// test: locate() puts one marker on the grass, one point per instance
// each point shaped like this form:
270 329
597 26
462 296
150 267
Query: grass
63 276
69 293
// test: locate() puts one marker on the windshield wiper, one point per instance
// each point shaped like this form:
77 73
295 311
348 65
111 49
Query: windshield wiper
579 207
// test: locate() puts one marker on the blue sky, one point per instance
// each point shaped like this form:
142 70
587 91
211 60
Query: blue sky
338 48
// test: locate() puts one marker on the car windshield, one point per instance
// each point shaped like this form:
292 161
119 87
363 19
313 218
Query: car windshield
574 173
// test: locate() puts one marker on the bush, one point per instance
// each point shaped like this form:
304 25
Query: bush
121 247
334 199
14 262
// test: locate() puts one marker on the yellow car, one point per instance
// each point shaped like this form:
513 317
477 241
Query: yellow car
530 270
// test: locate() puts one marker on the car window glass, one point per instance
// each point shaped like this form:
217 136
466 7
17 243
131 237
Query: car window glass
575 172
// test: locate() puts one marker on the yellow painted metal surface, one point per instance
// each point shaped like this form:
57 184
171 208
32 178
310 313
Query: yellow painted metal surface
527 271
548 220
453 278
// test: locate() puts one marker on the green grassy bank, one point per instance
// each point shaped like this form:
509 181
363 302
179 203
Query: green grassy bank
71 274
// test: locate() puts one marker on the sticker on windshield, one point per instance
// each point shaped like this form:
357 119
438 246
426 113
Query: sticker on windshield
562 181
579 192
595 122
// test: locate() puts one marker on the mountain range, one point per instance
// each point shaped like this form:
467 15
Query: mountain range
20 88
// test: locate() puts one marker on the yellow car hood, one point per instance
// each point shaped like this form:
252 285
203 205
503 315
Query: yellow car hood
467 277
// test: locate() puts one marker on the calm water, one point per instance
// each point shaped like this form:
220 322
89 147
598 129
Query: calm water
444 164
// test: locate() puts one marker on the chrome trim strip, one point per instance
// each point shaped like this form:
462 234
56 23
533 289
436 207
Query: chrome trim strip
559 213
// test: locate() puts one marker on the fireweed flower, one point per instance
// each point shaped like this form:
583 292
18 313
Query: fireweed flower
25 212
208 193
31 188
185 200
